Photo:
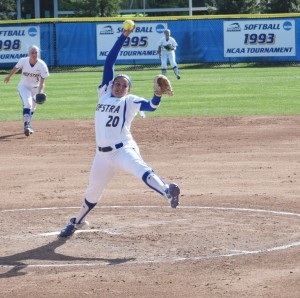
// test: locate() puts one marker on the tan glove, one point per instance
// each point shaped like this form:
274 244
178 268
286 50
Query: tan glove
162 85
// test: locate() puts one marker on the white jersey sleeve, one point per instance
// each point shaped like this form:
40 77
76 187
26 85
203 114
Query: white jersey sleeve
161 42
173 42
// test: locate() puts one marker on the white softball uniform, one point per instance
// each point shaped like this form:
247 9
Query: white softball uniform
30 80
167 54
113 119
115 147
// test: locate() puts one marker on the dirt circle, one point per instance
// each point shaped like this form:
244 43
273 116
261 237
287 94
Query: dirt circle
235 234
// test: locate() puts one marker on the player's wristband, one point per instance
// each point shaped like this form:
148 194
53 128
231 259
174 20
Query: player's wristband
155 101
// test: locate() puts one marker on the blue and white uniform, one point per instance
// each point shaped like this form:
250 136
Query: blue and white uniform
28 86
115 147
166 53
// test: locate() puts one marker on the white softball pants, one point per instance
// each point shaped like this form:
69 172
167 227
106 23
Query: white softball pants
107 164
165 55
27 94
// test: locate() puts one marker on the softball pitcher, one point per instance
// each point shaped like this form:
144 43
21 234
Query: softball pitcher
34 73
166 50
115 147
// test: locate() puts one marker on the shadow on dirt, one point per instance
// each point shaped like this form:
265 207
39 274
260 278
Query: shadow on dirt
12 136
17 262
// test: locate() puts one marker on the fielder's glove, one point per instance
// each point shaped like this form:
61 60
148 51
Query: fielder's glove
162 86
168 47
40 98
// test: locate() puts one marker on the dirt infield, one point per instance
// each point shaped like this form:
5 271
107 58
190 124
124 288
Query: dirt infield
235 234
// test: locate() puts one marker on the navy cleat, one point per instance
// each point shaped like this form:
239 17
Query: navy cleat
173 194
69 229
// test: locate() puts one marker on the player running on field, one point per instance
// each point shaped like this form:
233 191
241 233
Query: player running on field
34 73
115 147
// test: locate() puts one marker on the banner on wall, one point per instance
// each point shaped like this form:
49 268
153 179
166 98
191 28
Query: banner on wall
142 43
259 38
15 42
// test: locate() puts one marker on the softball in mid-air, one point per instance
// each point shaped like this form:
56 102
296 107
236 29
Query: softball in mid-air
128 25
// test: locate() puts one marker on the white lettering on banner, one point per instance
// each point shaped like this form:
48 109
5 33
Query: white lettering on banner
141 44
15 42
256 38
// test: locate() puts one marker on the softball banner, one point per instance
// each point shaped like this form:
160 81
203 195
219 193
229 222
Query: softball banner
141 44
259 38
15 41
84 42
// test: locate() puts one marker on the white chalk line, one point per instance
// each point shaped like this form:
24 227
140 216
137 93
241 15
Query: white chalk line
166 259
161 207
159 259
105 231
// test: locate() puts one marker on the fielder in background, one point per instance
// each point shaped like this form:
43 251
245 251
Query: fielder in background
166 50
34 73
115 147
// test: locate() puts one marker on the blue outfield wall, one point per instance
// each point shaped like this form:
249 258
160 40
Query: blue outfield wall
219 40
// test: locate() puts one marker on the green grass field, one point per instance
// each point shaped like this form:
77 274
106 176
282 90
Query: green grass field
200 92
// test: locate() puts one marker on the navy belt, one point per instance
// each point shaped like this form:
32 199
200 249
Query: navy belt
109 148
